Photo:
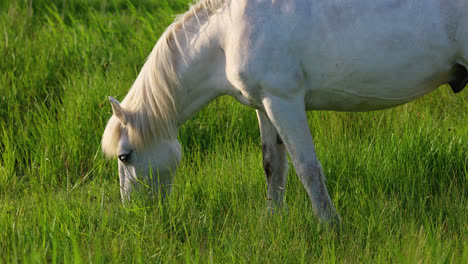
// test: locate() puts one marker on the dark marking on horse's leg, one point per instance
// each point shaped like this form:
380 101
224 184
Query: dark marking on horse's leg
279 141
266 160
460 78
275 163
267 168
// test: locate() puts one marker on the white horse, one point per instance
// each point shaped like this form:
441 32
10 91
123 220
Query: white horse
283 57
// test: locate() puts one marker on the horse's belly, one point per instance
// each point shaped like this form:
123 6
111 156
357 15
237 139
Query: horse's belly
349 94
360 79
347 100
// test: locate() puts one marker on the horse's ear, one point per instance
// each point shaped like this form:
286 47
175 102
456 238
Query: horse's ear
118 111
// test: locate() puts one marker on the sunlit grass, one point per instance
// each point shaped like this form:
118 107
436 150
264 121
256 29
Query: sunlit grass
399 178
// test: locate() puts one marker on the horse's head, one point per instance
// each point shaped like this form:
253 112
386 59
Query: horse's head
144 167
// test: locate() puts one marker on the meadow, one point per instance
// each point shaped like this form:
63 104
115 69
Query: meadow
398 177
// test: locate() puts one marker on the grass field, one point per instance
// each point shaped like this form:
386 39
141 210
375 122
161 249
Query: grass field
399 177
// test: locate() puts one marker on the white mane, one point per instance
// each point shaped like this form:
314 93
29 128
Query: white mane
151 104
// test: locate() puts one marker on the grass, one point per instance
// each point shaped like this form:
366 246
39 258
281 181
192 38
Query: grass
399 177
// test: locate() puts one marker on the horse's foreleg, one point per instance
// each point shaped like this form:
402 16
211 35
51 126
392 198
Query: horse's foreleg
274 161
289 118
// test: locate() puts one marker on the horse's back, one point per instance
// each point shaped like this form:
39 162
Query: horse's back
349 55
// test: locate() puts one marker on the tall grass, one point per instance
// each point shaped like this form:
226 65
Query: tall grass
399 177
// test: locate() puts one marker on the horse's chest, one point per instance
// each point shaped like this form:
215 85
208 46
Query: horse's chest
248 97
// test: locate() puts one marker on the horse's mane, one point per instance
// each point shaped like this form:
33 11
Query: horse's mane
151 104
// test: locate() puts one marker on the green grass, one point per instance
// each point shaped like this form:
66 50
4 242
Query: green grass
399 177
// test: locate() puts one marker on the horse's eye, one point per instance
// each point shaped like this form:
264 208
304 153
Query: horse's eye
125 157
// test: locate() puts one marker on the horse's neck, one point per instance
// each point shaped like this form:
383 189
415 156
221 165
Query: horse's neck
201 63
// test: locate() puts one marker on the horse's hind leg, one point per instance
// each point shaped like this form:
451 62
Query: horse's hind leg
274 161
289 118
